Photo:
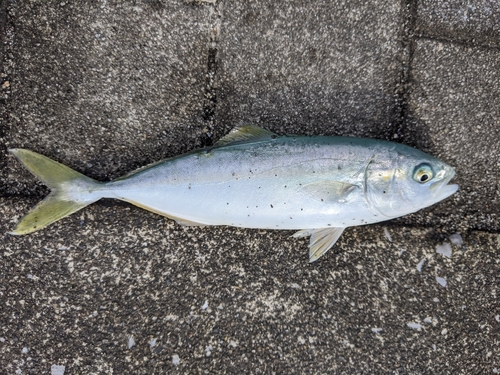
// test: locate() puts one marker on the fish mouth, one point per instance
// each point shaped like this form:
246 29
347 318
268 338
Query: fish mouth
441 190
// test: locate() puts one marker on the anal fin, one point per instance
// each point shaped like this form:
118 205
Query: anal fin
179 220
321 240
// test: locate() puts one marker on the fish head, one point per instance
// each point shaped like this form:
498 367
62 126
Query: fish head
406 180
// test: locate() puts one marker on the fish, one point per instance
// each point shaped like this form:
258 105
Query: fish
254 178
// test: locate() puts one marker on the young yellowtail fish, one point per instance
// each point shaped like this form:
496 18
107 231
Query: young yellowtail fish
253 178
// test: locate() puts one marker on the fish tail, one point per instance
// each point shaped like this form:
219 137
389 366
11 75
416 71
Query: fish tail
70 191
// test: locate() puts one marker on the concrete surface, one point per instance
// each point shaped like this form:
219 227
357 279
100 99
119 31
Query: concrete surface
109 86
116 297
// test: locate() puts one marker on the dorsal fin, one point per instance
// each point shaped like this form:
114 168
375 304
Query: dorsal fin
243 133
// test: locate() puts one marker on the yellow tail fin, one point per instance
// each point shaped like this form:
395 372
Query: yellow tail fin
70 191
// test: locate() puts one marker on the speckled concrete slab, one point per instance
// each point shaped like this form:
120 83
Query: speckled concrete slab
471 21
104 87
310 67
456 94
116 290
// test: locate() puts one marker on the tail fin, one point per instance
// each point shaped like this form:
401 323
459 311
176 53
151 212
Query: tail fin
70 191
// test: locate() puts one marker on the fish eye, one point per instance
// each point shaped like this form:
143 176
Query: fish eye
423 173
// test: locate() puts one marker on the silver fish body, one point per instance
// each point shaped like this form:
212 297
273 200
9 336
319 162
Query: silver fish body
253 178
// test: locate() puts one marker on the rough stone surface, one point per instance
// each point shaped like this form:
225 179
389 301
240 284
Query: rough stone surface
456 116
475 21
105 87
130 292
317 67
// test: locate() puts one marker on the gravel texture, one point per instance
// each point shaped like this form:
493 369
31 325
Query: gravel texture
317 67
104 87
117 297
476 21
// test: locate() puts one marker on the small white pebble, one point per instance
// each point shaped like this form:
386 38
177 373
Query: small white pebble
495 370
25 350
152 343
57 370
444 249
387 235
376 330
208 350
30 276
205 306
436 300
420 265
3 340
233 343
444 331
414 325
441 281
301 340
497 318
131 342
175 359
428 320
456 239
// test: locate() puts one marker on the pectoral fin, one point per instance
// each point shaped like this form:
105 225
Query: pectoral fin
329 190
321 240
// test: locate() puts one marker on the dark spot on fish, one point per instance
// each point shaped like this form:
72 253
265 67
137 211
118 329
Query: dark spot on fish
321 199
272 206
189 187
384 191
329 225
339 168
285 186
227 203
232 174
274 136
290 218
275 175
302 209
